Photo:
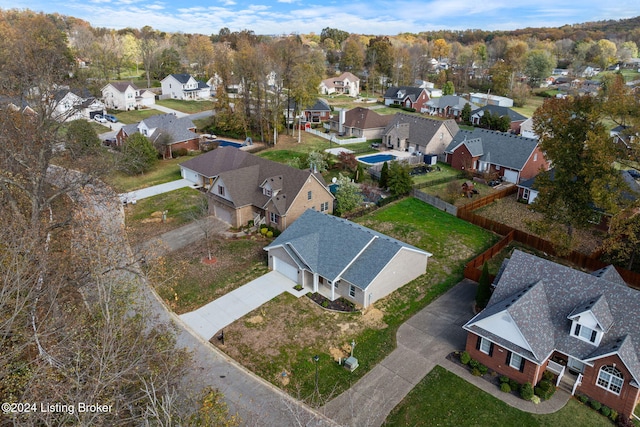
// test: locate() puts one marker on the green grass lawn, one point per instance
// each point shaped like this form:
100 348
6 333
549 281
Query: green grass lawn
531 106
445 171
134 116
164 171
444 399
290 331
189 107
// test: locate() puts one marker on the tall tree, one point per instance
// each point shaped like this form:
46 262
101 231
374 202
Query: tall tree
200 52
149 46
400 181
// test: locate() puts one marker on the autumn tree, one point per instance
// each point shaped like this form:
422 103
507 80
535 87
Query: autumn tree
622 244
440 49
82 139
539 64
348 196
200 52
583 177
353 53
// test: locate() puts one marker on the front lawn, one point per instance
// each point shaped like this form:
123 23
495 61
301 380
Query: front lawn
164 171
135 116
283 335
444 399
189 107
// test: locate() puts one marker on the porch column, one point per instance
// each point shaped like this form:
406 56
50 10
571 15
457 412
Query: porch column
333 293
315 282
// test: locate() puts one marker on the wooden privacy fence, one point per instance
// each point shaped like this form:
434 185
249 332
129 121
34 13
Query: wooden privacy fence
472 269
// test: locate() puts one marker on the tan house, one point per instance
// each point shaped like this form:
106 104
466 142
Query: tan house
359 122
344 84
584 328
420 135
314 253
242 187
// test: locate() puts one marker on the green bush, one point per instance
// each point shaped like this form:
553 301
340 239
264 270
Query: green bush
474 363
395 106
504 379
465 358
269 233
263 230
409 109
180 152
515 385
548 375
545 389
325 303
505 387
476 372
526 391
605 410
613 416
583 398
483 369
595 404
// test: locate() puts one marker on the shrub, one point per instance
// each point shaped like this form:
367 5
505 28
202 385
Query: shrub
583 398
595 404
474 363
605 410
483 369
395 106
465 358
613 416
263 230
504 379
409 109
298 287
515 385
269 233
476 372
325 303
545 389
505 387
180 152
547 375
526 391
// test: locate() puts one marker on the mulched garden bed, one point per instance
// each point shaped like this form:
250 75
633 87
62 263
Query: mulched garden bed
340 304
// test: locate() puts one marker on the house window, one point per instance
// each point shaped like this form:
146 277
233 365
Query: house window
324 207
221 190
267 192
273 217
586 334
515 361
352 291
610 379
535 157
309 195
485 346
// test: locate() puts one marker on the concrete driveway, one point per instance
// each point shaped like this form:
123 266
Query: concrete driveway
213 317
143 193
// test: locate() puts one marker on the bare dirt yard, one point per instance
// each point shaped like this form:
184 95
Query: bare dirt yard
519 215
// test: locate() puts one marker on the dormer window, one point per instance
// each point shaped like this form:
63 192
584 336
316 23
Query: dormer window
267 192
585 333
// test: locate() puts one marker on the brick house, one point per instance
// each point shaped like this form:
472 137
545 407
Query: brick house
359 122
407 96
417 134
511 157
242 187
584 328
516 119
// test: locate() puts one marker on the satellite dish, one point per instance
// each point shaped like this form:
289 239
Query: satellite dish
334 179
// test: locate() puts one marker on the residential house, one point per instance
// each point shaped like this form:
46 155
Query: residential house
312 252
344 84
584 328
495 110
184 86
126 96
408 97
73 104
488 99
242 187
528 192
359 122
171 132
419 135
511 157
318 112
526 129
448 106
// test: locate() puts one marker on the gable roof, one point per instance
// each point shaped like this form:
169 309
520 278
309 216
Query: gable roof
421 128
364 118
498 148
453 101
121 86
177 128
317 241
560 293
403 92
244 174
514 116
331 81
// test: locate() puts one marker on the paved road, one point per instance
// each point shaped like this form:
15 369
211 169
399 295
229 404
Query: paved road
257 402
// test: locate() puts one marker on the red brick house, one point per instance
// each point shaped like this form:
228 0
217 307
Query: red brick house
511 157
174 132
584 328
407 96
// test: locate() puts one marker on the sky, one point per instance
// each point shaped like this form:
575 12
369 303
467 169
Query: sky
372 17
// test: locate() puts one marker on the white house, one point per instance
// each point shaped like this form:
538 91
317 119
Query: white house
126 96
184 86
345 84
71 104
488 99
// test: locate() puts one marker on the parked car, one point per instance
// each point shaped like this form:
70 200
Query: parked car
111 118
99 118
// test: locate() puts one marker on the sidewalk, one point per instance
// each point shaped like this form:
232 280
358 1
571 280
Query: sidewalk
423 342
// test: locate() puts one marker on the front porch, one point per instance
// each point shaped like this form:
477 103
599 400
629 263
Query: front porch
568 371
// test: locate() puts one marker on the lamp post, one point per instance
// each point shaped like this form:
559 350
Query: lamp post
316 359
353 344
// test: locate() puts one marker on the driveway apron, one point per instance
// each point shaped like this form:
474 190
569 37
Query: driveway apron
213 317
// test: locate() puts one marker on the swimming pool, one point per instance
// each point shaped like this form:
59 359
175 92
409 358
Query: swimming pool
373 159
223 143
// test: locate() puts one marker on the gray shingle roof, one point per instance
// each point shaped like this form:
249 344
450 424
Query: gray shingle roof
453 101
337 248
501 111
402 92
504 149
177 128
244 173
540 296
421 129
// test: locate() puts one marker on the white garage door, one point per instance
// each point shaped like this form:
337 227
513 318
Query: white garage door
511 176
223 214
285 268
